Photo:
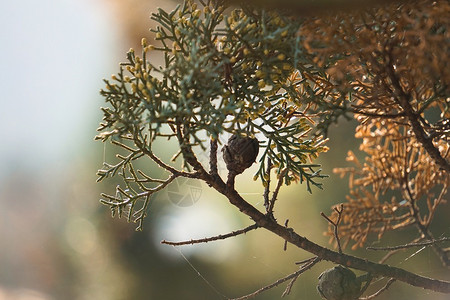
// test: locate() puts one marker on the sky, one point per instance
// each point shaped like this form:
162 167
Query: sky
53 56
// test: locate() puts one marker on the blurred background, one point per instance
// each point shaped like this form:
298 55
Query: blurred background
58 242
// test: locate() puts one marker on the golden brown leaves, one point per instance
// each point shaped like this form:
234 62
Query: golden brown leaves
387 189
393 63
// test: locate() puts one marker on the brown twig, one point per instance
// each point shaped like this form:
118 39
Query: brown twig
410 245
306 263
361 111
214 238
422 228
267 187
285 242
336 224
148 151
276 191
302 262
185 148
368 280
383 289
213 157
281 280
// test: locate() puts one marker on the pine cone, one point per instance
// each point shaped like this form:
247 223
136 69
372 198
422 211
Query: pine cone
240 153
339 283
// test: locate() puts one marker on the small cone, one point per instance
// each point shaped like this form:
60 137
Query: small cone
240 153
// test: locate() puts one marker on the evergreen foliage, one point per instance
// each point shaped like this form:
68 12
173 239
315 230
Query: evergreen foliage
277 80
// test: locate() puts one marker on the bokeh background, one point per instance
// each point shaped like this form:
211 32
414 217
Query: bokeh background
58 242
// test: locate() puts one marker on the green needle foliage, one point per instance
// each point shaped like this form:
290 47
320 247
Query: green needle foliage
245 73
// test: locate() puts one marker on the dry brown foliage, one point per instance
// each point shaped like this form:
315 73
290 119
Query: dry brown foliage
390 63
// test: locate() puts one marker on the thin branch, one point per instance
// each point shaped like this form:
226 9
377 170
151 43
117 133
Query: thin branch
336 224
288 289
148 178
422 228
383 289
134 178
189 155
267 187
411 245
306 263
280 281
111 170
141 213
302 262
393 252
388 256
276 191
432 208
375 115
210 239
368 280
122 145
363 110
117 202
153 157
285 242
213 157
419 132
